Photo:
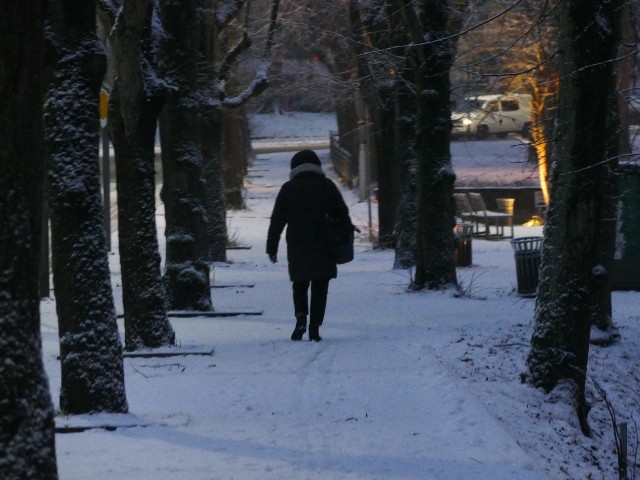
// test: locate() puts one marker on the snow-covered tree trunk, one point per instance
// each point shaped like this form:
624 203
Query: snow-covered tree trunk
435 267
27 443
135 103
90 348
210 122
226 142
578 242
186 273
210 125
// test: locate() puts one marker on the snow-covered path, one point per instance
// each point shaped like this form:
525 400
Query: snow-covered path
378 398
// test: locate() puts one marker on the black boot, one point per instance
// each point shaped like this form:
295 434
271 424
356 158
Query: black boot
314 333
301 327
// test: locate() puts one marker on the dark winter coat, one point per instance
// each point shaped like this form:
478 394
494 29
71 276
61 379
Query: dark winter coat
301 205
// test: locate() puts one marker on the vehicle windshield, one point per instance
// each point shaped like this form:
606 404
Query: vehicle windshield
466 105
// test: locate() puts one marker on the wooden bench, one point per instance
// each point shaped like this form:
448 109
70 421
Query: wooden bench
490 218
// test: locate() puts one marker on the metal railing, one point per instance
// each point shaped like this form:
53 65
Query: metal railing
342 161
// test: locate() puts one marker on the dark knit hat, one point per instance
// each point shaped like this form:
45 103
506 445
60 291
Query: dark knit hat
304 156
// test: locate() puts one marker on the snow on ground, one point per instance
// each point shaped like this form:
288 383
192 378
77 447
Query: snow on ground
292 125
496 163
477 163
403 385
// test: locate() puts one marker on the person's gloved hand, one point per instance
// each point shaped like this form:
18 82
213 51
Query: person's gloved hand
273 258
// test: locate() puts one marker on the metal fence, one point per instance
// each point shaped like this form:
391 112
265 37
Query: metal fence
342 161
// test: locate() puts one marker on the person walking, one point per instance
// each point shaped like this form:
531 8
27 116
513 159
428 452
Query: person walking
302 205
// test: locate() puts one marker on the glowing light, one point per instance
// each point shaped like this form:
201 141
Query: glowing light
534 221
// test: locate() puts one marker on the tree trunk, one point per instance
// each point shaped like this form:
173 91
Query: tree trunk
578 244
435 267
26 422
90 349
134 109
539 132
389 166
211 127
407 217
187 266
234 160
211 137
347 121
625 70
381 28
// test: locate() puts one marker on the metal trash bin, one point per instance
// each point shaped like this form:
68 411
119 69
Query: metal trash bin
528 252
506 205
462 253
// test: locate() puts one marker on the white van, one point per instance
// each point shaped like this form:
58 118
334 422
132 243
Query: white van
499 115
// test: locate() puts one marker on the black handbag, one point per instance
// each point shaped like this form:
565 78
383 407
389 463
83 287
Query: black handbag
339 233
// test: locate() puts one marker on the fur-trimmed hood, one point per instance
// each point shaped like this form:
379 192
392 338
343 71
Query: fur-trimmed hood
306 167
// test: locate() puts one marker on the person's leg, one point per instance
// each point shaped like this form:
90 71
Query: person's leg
319 290
300 298
300 308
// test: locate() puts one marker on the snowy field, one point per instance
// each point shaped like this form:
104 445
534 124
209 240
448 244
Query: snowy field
421 386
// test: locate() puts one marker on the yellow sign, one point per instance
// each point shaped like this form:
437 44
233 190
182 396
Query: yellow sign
103 106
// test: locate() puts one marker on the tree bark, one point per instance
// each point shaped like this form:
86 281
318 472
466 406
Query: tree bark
26 412
211 127
625 70
90 349
234 160
578 243
435 267
211 136
347 121
378 26
134 108
389 165
407 217
186 273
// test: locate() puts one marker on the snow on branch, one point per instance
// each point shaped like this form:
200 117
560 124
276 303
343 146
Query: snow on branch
223 14
228 11
107 10
243 44
260 81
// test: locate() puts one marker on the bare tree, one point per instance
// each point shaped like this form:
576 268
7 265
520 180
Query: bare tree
430 25
90 348
224 173
135 103
314 67
511 47
225 39
407 216
26 424
381 45
530 66
578 246
184 189
183 192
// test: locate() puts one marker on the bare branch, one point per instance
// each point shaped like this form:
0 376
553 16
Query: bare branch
242 45
260 81
228 11
107 12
